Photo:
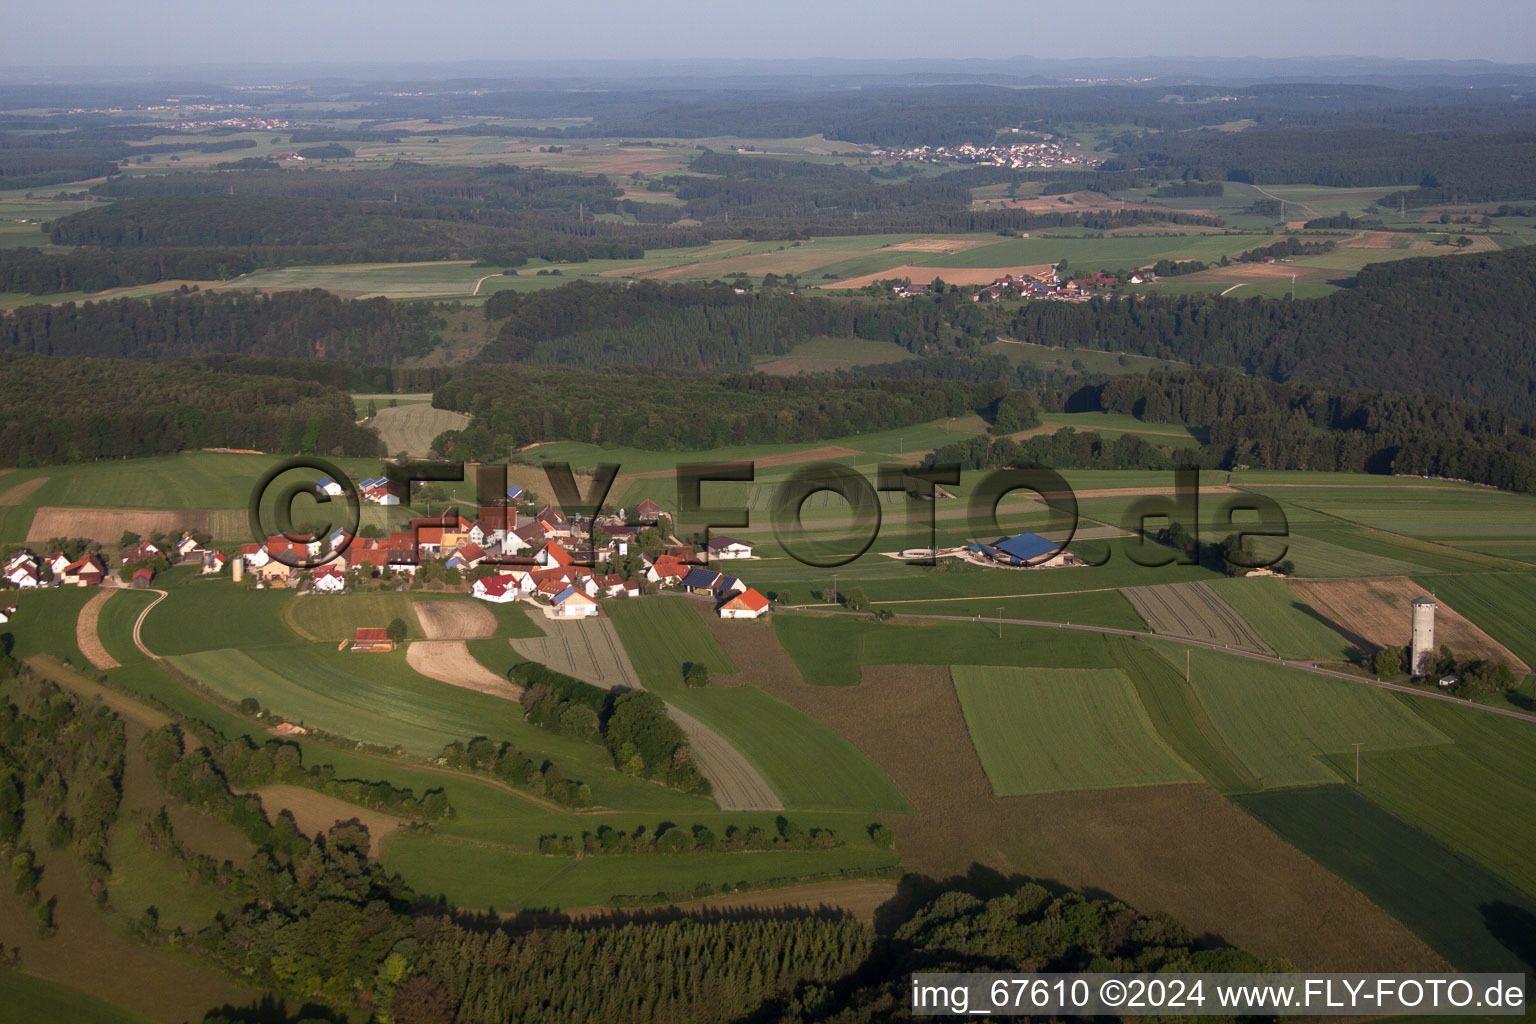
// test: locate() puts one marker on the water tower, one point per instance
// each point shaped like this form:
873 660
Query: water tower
237 570
1423 647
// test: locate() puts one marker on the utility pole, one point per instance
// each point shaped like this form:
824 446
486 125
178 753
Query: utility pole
1357 764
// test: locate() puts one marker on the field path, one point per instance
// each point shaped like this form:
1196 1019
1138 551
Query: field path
138 624
736 785
86 637
1311 213
21 492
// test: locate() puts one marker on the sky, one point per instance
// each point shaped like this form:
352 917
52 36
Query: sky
183 32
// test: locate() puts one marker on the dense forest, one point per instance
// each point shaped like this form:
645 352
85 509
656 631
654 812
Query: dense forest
303 324
73 410
667 413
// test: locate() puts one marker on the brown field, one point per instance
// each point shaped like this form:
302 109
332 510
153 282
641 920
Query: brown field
735 784
85 633
107 524
454 620
588 649
1374 613
412 428
315 812
449 661
950 275
945 245
1182 849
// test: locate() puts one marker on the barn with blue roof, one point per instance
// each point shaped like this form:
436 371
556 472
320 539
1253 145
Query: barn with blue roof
1025 550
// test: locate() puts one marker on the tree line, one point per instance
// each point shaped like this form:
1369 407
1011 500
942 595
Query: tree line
55 411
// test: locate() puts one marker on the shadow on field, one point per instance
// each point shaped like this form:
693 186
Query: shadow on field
269 1010
1514 927
1362 647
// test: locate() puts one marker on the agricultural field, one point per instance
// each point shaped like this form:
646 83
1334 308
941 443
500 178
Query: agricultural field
824 355
1460 908
1284 723
1503 606
1287 624
1375 614
28 997
661 635
587 649
331 618
1050 730
1196 612
412 428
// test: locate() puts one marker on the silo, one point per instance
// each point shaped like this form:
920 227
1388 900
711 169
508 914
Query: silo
238 570
1423 634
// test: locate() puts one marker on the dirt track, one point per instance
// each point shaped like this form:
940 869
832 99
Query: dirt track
736 784
1377 613
21 492
454 620
107 524
86 637
449 661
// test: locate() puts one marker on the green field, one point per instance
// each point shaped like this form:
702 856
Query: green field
486 878
1503 605
330 618
1465 912
1283 722
1285 622
27 998
808 764
1050 730
823 355
209 612
660 635
44 623
1085 255
830 649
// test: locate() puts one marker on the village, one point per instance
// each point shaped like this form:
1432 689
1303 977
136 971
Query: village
1047 284
1017 155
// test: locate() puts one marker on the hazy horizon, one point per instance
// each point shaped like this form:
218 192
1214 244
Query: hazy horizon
183 34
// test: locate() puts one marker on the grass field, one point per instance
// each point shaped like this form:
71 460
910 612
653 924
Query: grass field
207 613
44 623
823 355
1283 722
830 649
808 764
660 635
330 618
488 878
1085 255
1284 621
1465 912
412 428
1504 606
1049 730
28 998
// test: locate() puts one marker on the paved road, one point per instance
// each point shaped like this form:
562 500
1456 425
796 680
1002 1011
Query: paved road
1305 666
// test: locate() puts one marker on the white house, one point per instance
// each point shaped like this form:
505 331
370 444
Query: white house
746 605
255 555
571 603
501 589
23 576
56 561
328 486
329 580
213 563
185 546
6 613
728 547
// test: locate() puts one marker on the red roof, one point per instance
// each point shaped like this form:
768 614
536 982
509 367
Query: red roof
329 570
749 599
495 586
666 567
493 517
558 554
649 508
144 573
552 587
370 635
472 552
250 549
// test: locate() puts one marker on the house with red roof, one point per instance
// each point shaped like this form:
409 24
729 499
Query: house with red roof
554 554
328 579
87 572
142 578
500 589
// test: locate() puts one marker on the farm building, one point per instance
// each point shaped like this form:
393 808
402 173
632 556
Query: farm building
648 512
747 605
87 572
571 603
1025 550
371 640
142 578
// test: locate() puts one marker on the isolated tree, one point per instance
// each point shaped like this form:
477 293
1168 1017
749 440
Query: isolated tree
857 601
695 674
396 629
1387 663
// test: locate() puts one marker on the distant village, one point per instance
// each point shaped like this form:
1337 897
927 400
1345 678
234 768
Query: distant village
1046 284
1016 156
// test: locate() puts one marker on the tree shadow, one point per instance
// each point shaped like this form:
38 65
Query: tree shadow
1514 927
1363 648
272 1010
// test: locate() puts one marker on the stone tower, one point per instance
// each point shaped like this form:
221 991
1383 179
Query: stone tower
1423 647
